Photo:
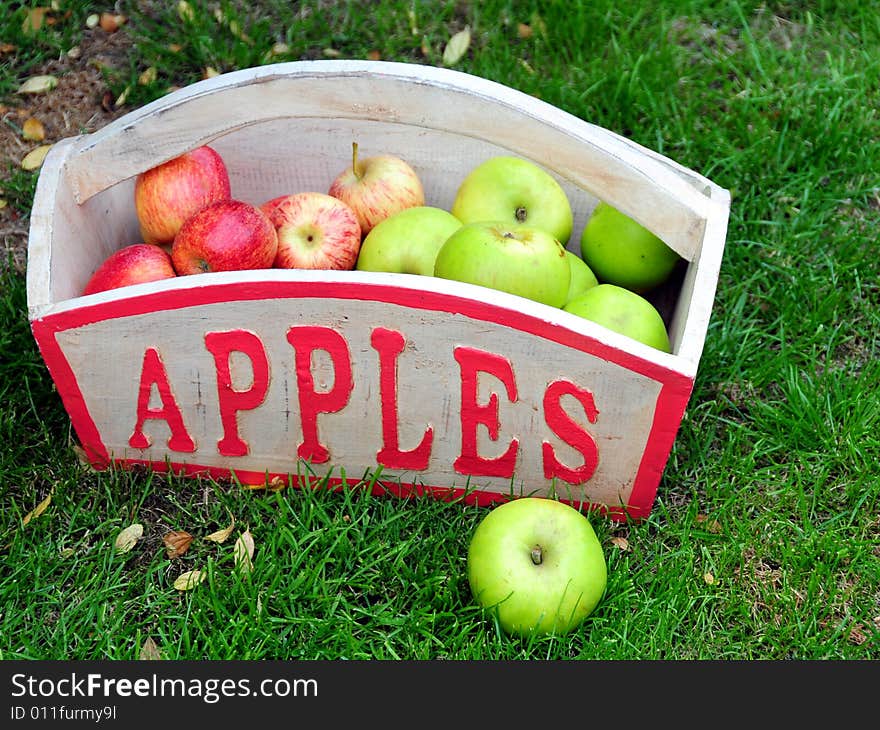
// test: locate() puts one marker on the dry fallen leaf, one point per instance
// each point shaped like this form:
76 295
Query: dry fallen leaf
149 650
713 526
127 538
221 536
3 203
7 48
148 76
38 84
709 578
244 552
92 21
120 100
110 22
210 72
185 11
177 542
33 160
457 47
374 55
33 130
33 21
620 542
38 510
189 580
524 31
280 49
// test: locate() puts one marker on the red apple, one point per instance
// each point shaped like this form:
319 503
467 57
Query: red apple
135 264
166 195
377 187
315 231
229 235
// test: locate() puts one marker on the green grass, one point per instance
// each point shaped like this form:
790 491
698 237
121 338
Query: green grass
763 542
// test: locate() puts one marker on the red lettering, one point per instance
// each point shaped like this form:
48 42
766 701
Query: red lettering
221 345
471 362
570 431
389 344
305 341
153 373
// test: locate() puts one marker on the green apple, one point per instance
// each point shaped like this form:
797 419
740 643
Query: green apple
582 276
538 565
511 257
621 251
623 311
514 190
407 242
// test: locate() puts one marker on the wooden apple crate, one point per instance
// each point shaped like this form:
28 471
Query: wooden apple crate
432 385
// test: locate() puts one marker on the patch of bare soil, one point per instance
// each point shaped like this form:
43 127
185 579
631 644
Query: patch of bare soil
81 103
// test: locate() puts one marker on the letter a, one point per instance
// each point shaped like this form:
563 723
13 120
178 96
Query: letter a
153 373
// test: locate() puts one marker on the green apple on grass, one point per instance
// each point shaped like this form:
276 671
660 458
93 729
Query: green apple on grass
623 311
514 190
623 252
582 276
407 242
538 565
512 257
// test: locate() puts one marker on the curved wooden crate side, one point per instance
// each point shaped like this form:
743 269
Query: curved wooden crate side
426 97
506 311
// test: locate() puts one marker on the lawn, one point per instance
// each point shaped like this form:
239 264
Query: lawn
764 541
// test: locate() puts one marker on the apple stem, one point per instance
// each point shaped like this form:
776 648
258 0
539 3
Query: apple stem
537 555
354 160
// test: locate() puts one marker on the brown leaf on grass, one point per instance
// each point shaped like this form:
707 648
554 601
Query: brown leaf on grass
210 72
457 47
33 160
110 22
244 552
220 536
621 543
128 537
39 509
33 130
149 650
524 31
713 526
40 84
177 542
148 76
121 99
3 203
185 11
189 580
276 483
374 55
34 19
709 578
7 48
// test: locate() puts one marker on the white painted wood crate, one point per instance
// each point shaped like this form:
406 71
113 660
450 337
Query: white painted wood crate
447 386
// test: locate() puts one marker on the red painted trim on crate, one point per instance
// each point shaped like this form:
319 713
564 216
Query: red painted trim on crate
672 401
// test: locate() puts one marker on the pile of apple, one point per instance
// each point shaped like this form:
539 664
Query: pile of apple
507 229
